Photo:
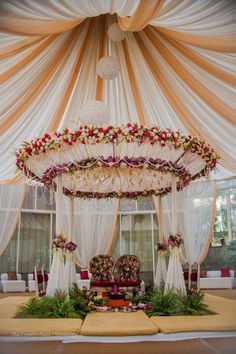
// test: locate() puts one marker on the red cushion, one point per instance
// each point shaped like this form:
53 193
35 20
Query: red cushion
203 273
45 277
102 283
185 275
193 276
225 272
128 282
40 279
84 274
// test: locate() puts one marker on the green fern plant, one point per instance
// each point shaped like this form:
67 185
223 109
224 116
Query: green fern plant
163 303
57 306
193 303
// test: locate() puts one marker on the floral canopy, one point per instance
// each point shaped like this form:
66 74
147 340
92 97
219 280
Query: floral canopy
126 161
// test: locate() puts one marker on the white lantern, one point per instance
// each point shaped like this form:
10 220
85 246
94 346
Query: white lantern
115 33
108 68
94 112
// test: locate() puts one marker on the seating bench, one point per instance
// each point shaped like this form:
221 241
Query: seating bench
10 286
213 280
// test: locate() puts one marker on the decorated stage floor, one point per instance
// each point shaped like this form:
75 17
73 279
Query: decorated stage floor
118 324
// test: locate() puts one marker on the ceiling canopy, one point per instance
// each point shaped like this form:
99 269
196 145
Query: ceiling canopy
177 69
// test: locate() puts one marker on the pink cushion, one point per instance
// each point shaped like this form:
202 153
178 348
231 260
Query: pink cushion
225 272
84 274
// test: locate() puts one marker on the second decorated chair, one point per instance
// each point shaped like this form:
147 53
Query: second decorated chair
128 268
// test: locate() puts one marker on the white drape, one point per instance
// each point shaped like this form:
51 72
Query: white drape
194 215
161 270
62 272
40 43
11 200
93 227
174 276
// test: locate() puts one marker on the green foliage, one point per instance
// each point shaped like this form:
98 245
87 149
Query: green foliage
171 303
135 299
76 304
192 303
162 303
57 306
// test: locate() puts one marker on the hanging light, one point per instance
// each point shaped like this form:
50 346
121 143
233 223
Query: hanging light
115 33
108 68
94 112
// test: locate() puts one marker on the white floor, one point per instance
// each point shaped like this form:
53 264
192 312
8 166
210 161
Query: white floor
128 339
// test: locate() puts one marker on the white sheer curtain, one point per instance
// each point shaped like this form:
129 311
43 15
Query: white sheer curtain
195 209
94 227
62 273
11 200
161 270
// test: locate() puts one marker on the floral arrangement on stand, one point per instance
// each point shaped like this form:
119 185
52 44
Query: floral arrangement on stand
161 249
175 241
61 244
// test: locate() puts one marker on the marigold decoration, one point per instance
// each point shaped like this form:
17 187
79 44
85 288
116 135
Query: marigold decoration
97 160
61 244
175 241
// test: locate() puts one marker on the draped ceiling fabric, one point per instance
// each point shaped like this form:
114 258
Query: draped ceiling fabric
177 68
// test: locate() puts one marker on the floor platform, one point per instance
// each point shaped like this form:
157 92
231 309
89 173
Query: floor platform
118 324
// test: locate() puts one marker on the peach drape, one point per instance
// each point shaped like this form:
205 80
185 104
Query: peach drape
177 69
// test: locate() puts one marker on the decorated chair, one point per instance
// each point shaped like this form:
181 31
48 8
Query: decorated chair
128 268
102 270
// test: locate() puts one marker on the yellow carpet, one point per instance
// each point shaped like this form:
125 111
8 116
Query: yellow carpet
9 305
40 327
224 320
10 326
117 324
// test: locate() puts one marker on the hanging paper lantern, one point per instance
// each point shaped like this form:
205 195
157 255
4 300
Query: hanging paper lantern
108 68
94 112
115 33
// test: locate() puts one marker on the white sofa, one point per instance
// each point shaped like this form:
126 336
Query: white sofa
11 286
213 280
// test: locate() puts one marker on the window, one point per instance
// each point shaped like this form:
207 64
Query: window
225 223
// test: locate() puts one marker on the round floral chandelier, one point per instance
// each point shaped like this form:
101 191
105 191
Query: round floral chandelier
126 161
115 33
108 68
94 112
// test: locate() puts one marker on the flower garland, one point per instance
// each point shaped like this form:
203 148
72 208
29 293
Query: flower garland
90 134
174 241
161 249
60 244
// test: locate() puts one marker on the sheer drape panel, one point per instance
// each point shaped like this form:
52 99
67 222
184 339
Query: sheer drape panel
11 200
93 227
195 207
34 247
